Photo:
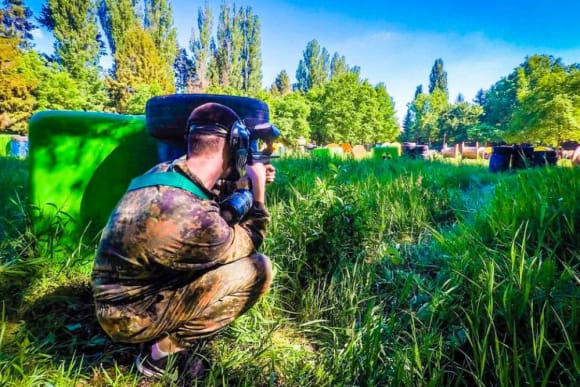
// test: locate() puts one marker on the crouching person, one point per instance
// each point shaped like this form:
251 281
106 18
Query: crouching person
169 270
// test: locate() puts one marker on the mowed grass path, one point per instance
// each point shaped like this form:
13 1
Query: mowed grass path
396 272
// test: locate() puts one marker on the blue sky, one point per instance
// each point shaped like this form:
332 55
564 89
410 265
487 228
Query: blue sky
396 42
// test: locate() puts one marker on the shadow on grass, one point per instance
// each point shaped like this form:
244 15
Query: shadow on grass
64 324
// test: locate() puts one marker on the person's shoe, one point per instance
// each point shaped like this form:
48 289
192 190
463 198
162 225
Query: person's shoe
188 364
150 367
192 367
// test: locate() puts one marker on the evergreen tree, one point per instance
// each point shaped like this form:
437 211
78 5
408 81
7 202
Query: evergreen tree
407 122
480 97
77 45
140 72
418 91
438 77
411 122
313 69
158 19
281 85
202 49
302 77
184 72
117 17
16 22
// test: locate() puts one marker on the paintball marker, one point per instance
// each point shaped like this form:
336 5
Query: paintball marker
236 205
265 133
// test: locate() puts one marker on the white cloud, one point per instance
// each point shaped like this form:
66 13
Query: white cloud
37 34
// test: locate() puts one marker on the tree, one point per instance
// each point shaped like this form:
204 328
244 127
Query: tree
140 72
228 49
55 89
498 106
237 60
290 114
338 65
427 110
388 128
202 49
348 109
144 49
548 109
16 85
158 20
418 91
407 124
438 78
251 54
456 123
281 85
16 22
117 17
184 72
410 123
313 68
77 46
479 97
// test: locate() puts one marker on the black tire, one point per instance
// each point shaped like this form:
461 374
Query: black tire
547 157
505 150
166 116
523 157
500 158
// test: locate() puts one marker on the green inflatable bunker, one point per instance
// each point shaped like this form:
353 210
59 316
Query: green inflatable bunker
80 165
386 152
327 152
5 145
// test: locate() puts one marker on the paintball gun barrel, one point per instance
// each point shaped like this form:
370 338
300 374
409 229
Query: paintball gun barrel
267 134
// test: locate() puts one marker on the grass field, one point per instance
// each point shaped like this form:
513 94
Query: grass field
387 273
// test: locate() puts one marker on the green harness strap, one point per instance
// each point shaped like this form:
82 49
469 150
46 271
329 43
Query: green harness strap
172 179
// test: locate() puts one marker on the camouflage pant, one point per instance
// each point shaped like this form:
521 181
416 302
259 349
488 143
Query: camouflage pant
198 309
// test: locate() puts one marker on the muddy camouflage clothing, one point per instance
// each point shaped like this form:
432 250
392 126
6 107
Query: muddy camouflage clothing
169 264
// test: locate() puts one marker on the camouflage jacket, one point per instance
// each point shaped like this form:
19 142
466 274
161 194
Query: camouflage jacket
160 237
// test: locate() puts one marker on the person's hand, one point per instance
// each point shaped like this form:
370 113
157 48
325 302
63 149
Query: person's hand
270 173
257 175
243 183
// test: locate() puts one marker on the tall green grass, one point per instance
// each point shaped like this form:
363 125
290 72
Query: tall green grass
396 272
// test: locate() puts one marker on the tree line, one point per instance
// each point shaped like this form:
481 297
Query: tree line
329 102
537 103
